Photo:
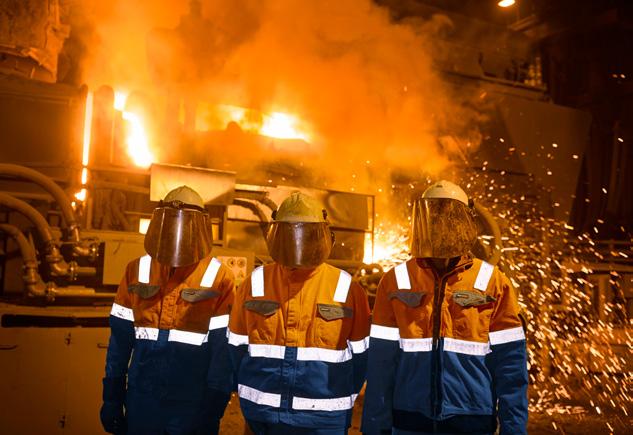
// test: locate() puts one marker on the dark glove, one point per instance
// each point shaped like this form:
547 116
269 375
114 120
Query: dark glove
211 411
111 413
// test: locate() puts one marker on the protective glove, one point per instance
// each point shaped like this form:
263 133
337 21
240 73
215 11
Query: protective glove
211 411
111 413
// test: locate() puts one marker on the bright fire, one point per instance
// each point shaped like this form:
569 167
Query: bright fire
282 126
389 246
136 140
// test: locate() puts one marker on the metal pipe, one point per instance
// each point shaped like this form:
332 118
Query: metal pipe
494 228
32 280
51 187
261 197
80 247
56 262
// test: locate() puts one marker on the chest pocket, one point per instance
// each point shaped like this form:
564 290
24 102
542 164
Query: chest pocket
471 311
194 295
409 298
262 307
144 291
263 320
333 325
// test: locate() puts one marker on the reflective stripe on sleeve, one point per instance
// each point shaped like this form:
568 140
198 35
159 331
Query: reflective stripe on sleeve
325 355
466 347
384 332
416 344
359 346
145 333
483 276
122 312
236 339
506 335
266 351
259 397
209 275
335 404
193 338
402 277
257 282
144 266
218 322
342 286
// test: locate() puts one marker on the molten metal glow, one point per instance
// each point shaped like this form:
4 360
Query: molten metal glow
81 195
119 100
87 130
506 3
282 126
84 176
137 142
389 247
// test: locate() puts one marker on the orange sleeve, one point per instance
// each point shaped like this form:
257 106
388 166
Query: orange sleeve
226 287
123 296
237 321
360 327
506 312
383 314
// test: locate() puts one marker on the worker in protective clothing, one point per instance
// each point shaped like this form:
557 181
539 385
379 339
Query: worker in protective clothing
170 316
447 350
299 330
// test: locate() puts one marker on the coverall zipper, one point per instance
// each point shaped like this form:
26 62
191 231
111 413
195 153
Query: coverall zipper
435 365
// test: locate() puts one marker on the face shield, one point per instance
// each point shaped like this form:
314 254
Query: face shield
441 228
299 244
179 234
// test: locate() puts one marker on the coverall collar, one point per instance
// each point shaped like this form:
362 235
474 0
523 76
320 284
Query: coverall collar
465 262
299 274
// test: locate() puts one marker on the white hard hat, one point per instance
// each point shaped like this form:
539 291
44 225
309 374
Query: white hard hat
446 189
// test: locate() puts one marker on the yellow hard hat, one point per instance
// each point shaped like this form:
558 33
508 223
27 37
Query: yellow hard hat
186 195
299 207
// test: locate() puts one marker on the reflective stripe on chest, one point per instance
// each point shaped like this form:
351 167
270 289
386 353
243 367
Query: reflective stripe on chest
145 265
340 294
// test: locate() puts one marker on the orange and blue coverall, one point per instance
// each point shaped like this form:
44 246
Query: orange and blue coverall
447 353
168 336
299 339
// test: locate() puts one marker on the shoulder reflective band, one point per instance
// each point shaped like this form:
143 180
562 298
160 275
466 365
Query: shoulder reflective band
266 351
257 282
466 347
336 404
359 346
218 322
416 344
384 332
342 286
483 277
144 333
236 339
210 273
144 266
259 397
506 335
194 338
122 312
402 277
325 355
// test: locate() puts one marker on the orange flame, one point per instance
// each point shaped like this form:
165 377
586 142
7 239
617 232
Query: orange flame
137 142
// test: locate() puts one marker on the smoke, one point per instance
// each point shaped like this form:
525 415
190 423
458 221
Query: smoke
364 87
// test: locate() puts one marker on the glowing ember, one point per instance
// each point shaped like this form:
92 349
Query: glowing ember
282 126
137 142
389 248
